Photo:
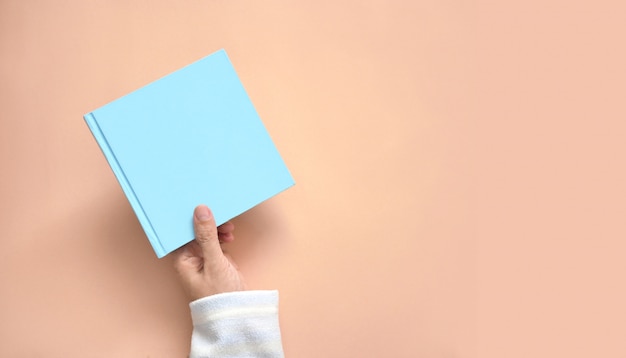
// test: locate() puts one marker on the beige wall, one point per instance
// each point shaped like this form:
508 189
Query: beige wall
460 168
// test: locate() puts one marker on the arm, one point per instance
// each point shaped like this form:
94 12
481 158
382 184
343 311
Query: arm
227 320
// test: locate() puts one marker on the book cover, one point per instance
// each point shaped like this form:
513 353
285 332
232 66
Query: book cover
192 137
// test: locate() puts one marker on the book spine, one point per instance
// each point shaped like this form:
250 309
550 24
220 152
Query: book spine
125 184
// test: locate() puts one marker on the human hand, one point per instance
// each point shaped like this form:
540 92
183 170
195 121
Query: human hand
203 267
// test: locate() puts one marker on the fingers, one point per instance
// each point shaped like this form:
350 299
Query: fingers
207 234
188 263
203 268
226 227
225 232
179 259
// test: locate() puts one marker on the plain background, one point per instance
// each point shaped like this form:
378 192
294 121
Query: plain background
460 169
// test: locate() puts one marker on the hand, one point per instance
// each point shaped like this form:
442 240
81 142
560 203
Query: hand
203 267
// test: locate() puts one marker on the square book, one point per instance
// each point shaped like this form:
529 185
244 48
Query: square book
192 137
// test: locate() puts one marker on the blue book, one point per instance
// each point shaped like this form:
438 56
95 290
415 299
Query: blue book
191 137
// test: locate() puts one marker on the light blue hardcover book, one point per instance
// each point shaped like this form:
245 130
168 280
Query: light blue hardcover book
192 137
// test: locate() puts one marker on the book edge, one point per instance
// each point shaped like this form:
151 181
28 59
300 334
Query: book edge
92 123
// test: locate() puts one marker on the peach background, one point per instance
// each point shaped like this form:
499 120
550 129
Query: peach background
460 171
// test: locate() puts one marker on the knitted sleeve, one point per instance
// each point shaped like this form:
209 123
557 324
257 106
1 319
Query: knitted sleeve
236 324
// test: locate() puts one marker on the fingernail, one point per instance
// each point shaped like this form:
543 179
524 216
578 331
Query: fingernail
203 213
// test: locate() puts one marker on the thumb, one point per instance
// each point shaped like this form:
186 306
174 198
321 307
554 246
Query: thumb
206 234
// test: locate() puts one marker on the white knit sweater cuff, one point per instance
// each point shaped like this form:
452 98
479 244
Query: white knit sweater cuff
236 324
